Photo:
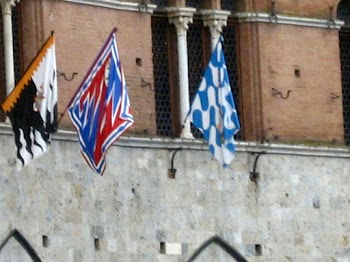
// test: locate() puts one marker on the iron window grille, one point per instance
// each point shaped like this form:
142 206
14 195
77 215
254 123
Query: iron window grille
343 13
165 65
17 52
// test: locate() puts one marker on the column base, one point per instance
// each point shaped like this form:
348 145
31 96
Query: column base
186 135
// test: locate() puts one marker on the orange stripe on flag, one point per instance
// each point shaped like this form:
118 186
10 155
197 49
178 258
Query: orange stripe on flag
16 92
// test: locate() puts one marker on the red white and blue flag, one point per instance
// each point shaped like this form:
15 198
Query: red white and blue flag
100 111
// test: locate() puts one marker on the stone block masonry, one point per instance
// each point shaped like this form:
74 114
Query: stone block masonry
297 210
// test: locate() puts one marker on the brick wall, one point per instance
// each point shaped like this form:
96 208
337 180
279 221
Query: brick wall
308 8
300 60
269 55
305 62
80 32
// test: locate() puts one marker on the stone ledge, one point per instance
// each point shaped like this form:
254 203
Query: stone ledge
198 144
288 20
120 5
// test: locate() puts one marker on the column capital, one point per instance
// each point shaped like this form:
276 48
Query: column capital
181 17
215 20
6 5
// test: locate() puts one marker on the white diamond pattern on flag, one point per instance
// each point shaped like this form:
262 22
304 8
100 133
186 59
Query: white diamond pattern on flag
213 110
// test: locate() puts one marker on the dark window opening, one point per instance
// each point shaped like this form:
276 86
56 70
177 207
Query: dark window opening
198 45
166 68
343 13
194 3
230 35
165 76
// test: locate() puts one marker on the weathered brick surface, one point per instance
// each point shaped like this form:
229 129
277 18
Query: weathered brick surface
268 53
80 32
311 112
307 8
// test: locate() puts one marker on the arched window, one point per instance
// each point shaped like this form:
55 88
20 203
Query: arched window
199 49
343 13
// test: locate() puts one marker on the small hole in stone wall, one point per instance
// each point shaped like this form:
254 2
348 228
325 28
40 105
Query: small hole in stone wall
297 72
133 190
45 241
258 250
97 244
316 203
162 248
138 61
171 173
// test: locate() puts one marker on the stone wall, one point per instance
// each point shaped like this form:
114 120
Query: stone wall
298 210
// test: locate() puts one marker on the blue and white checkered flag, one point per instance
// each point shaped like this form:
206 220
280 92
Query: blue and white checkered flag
213 110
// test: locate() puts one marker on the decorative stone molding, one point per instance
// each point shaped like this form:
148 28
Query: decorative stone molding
181 17
119 5
215 20
6 5
288 20
196 144
181 24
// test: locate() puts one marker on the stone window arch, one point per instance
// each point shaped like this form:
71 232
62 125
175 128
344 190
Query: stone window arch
221 244
23 242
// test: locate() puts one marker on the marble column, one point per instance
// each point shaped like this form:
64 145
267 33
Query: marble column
181 17
6 7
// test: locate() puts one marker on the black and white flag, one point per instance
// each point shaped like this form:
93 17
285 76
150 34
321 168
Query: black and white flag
32 105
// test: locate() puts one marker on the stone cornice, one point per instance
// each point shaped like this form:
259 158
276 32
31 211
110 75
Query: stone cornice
288 20
215 20
213 14
6 5
180 11
195 144
119 5
180 17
